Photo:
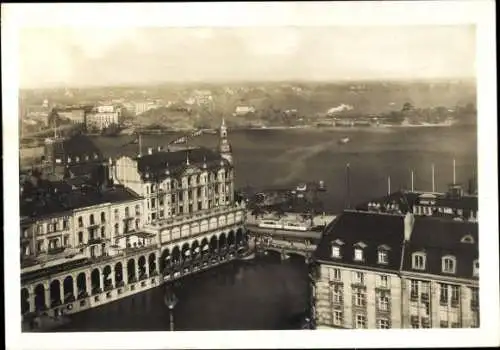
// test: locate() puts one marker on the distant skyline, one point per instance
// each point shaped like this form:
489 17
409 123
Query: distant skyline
59 57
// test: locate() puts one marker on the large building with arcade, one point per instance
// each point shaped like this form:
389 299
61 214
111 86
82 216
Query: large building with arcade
161 216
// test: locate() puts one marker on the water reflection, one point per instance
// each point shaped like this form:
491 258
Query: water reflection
265 293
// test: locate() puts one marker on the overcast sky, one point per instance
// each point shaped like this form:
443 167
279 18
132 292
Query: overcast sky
107 56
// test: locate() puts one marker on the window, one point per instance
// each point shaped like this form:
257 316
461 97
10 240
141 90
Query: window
337 318
39 246
448 264
137 222
383 302
414 289
137 210
80 237
455 295
358 254
476 268
80 221
103 232
336 274
117 215
474 297
65 224
418 261
117 229
383 257
443 294
383 323
92 222
335 251
467 239
359 297
338 294
103 217
359 277
126 212
360 321
383 281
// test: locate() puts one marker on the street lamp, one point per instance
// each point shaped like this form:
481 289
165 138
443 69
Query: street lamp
170 301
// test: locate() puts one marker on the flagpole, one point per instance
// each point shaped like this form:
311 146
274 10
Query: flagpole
412 182
433 180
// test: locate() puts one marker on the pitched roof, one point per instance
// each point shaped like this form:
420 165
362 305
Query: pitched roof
373 230
49 202
437 238
77 146
159 162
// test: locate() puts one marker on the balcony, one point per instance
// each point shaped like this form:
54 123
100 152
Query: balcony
413 296
95 240
424 296
54 251
455 302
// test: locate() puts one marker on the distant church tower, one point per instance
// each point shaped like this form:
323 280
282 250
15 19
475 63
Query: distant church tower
224 146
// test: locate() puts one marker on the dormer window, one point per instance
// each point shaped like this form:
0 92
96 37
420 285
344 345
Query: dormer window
336 245
476 268
448 264
383 257
467 239
335 251
418 261
358 254
359 251
383 254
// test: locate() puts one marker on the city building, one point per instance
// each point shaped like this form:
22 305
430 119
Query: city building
440 273
395 270
244 110
358 283
70 241
179 182
454 204
76 115
102 117
72 156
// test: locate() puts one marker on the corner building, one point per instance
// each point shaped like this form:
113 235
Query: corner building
382 270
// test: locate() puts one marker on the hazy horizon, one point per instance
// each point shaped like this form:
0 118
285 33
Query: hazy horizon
93 58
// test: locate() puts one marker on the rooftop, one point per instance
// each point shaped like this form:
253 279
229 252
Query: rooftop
407 199
432 236
176 161
371 229
53 198
437 238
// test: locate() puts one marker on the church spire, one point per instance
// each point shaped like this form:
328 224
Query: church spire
224 146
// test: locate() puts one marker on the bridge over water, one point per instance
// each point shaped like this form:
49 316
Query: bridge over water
284 242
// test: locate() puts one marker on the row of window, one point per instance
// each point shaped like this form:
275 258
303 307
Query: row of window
92 220
195 180
448 263
86 157
50 227
359 252
358 277
448 293
360 321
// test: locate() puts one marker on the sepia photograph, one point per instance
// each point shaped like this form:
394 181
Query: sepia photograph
249 177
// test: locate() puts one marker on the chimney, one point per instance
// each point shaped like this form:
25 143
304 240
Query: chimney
150 150
409 222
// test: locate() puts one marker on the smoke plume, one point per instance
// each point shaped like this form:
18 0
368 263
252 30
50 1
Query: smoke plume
341 108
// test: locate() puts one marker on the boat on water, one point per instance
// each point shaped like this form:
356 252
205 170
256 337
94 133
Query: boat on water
344 140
